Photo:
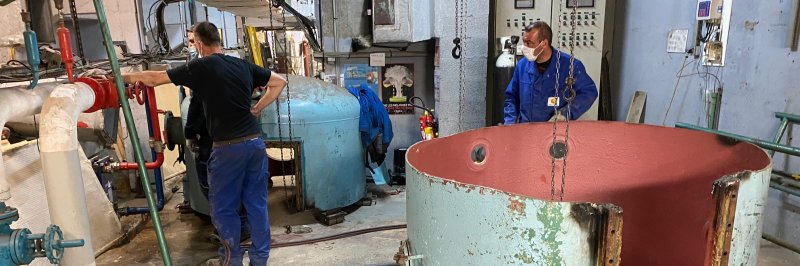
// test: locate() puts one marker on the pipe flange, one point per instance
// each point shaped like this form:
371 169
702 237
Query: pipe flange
9 215
99 93
22 251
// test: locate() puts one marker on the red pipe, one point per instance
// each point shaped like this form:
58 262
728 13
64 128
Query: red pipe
66 49
151 96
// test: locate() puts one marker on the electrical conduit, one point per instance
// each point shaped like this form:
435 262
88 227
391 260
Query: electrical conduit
17 103
134 136
61 167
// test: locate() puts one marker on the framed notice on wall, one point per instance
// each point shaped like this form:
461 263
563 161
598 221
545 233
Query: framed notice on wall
398 88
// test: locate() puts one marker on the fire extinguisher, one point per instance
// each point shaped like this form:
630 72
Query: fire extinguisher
428 126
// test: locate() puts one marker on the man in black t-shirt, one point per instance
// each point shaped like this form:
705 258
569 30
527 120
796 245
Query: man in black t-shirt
237 169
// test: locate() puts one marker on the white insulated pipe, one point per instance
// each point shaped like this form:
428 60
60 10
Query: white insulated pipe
16 103
61 167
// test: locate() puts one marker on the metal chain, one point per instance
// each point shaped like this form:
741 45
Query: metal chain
289 69
569 94
278 113
460 42
555 112
73 9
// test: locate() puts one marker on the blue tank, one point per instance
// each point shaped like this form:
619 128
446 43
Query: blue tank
325 122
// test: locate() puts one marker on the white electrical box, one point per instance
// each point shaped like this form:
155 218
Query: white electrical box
709 9
402 20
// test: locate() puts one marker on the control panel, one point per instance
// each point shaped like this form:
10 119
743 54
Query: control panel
593 29
514 15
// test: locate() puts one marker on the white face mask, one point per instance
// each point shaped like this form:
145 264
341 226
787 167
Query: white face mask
530 54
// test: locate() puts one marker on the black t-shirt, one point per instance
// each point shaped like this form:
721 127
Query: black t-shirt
542 67
225 84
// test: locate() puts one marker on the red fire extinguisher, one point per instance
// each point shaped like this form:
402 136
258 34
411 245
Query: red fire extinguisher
428 127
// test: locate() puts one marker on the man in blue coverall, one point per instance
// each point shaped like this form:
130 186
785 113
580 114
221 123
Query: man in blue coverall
532 86
237 168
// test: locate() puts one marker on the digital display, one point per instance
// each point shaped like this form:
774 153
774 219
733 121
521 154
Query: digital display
519 4
704 9
580 3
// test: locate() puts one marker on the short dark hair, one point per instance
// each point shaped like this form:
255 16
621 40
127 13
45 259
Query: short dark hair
207 33
545 32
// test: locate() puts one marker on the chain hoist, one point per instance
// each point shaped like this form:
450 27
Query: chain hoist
458 53
277 4
568 95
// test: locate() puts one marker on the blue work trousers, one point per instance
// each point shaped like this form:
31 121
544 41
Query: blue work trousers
237 175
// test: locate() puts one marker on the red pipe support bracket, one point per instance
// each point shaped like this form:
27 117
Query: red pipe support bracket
157 139
64 42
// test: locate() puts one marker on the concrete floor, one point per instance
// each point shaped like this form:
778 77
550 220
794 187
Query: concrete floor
187 235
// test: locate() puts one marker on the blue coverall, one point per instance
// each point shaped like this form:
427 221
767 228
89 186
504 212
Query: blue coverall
529 90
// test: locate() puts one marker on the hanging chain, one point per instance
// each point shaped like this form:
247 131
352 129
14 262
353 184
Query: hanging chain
555 112
458 49
278 113
74 12
568 95
289 70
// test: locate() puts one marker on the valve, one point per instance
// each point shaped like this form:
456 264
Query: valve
20 246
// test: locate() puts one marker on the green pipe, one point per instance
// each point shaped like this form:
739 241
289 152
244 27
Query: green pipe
761 143
134 136
712 112
792 118
5 2
786 181
781 130
790 191
780 242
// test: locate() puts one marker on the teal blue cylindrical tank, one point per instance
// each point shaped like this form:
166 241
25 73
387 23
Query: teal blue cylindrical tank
325 122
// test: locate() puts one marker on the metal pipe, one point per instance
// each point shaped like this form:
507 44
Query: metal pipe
796 31
781 243
16 103
156 151
791 117
134 136
783 188
65 45
761 143
61 167
786 181
31 49
781 131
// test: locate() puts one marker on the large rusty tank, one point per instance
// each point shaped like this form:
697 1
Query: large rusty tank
633 194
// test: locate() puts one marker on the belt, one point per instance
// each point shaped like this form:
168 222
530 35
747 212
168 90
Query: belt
234 141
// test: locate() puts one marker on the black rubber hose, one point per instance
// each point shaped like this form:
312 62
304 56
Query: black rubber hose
334 237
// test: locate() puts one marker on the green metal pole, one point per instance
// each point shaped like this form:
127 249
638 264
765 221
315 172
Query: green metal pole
781 130
761 143
792 118
712 112
134 136
783 188
781 243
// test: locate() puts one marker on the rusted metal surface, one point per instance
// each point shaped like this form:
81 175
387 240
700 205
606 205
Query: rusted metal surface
610 245
498 212
725 190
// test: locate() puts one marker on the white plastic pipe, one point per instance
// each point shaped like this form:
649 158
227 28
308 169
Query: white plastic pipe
61 167
15 103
